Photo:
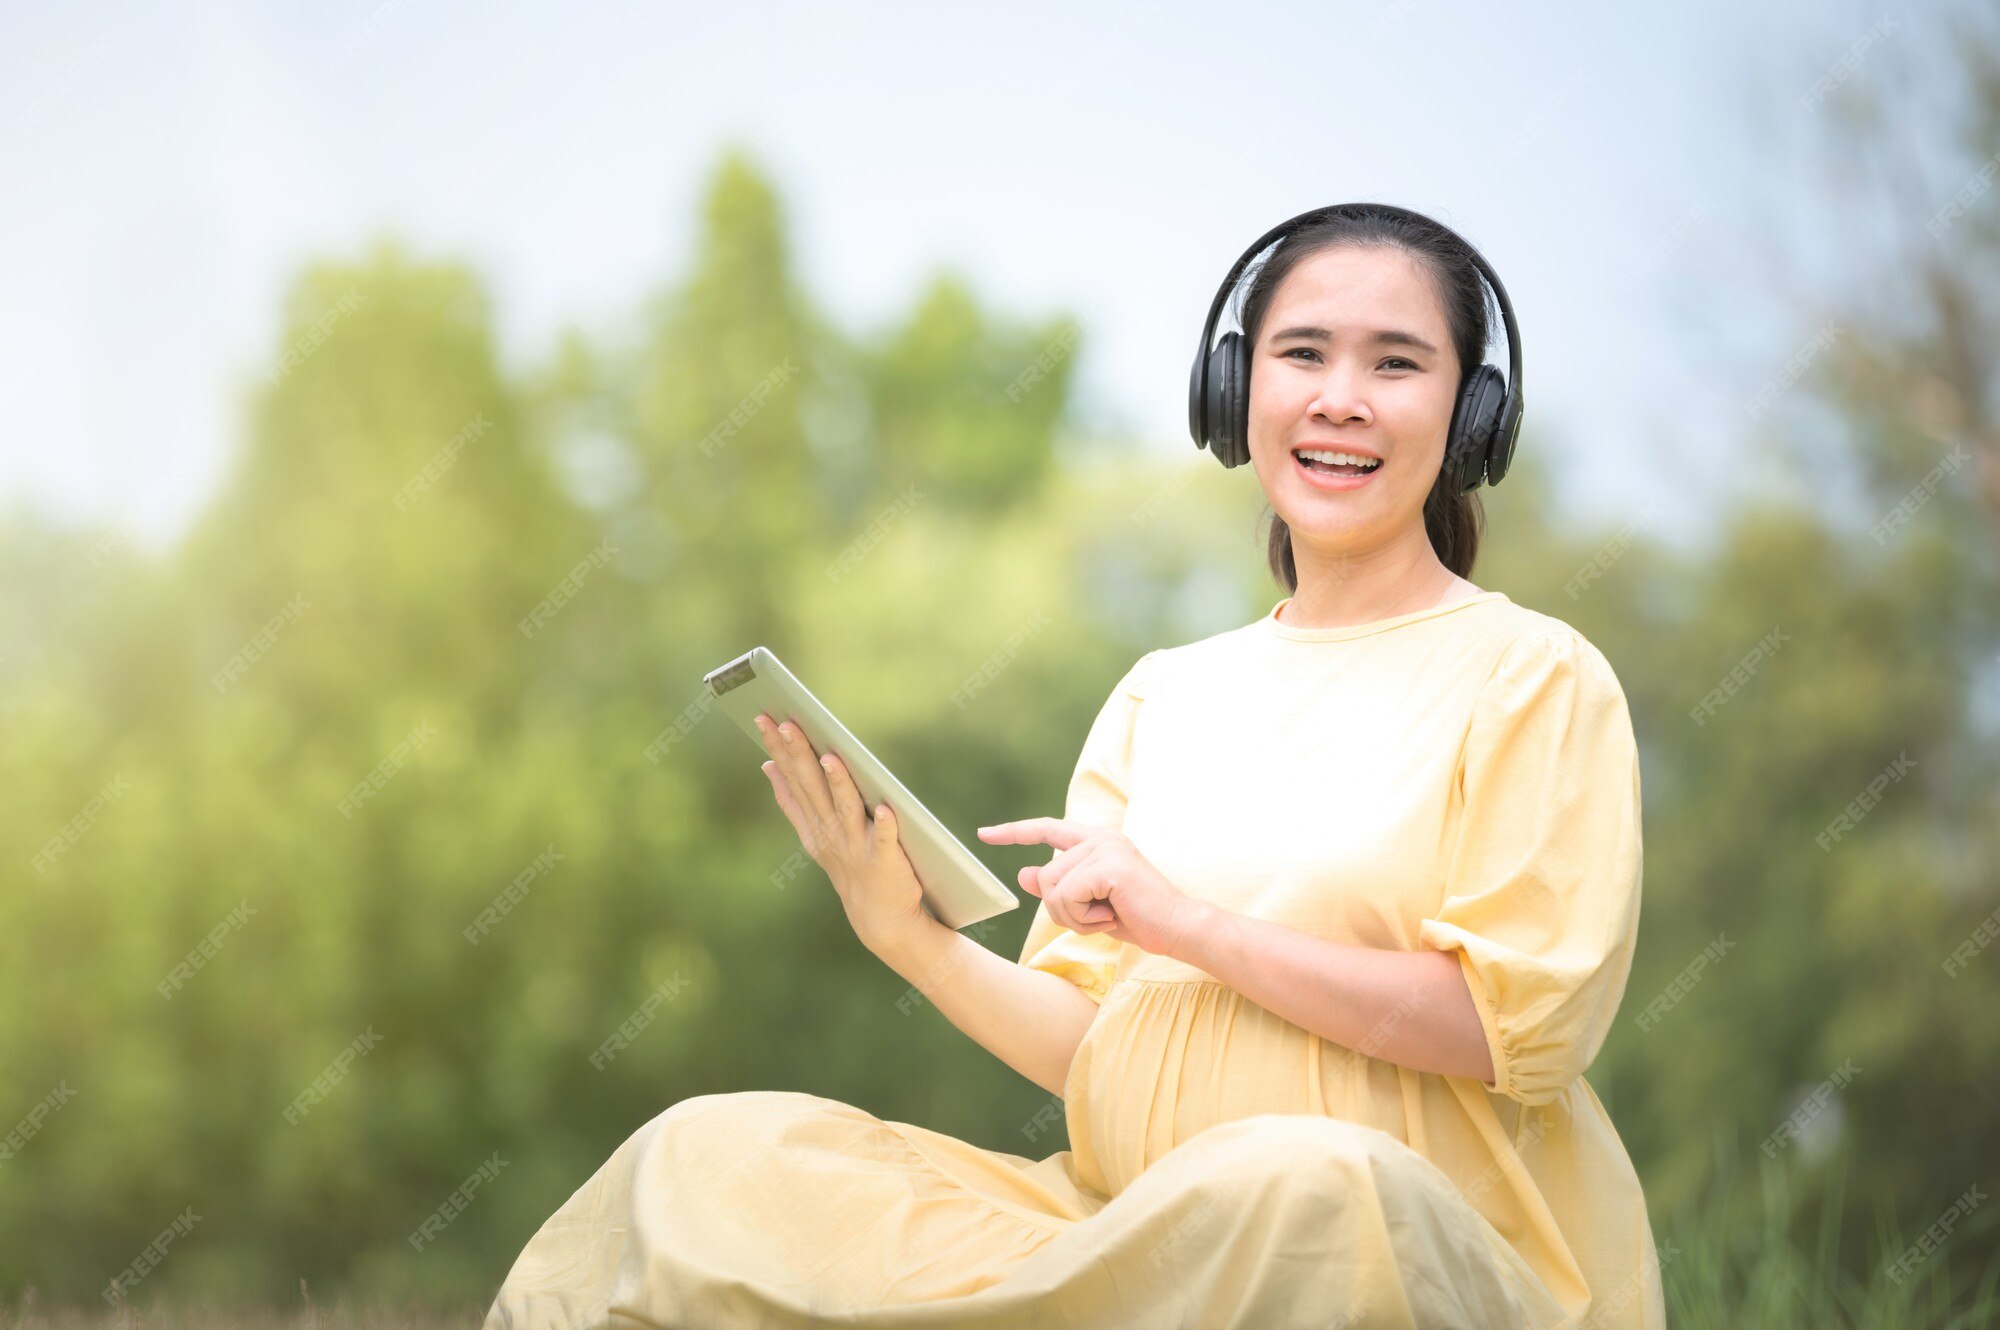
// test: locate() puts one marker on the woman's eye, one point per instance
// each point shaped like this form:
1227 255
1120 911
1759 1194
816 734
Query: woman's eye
1396 361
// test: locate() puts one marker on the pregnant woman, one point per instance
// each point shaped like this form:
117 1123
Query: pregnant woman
1342 906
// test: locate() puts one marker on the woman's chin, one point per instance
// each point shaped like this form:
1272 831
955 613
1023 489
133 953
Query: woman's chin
1326 522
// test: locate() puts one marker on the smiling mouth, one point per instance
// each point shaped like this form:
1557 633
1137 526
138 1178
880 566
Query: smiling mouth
1321 462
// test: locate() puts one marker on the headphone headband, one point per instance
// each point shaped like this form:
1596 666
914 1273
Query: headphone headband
1484 425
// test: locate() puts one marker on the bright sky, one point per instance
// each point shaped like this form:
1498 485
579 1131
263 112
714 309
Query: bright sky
164 169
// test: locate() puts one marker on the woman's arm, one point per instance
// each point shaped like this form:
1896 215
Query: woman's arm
1408 1007
1031 1020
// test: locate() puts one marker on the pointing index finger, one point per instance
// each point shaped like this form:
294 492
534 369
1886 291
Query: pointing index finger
1035 831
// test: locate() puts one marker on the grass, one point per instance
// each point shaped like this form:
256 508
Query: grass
306 1315
1777 1264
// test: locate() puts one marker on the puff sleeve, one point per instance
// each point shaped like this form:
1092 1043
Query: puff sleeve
1541 897
1098 791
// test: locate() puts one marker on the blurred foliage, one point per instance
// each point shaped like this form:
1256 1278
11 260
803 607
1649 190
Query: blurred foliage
894 514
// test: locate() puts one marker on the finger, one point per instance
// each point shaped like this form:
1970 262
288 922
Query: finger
1090 885
1041 875
1093 917
1082 896
882 828
801 766
1067 861
790 807
1082 917
849 808
1038 875
1087 889
1100 912
1062 906
767 735
1054 831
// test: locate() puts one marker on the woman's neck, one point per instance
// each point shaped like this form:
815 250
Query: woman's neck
1347 590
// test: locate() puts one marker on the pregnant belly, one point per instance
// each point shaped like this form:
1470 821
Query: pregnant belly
1168 1059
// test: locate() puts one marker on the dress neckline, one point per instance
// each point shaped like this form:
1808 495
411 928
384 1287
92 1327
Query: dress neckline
1275 627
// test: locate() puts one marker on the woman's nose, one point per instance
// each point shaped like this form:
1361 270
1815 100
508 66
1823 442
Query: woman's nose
1339 398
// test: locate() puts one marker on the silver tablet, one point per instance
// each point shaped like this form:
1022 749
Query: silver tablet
958 889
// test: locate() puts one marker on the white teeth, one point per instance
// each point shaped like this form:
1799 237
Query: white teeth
1332 459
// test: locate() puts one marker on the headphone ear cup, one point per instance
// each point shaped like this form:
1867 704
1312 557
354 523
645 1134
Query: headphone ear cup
1501 455
1469 443
1237 422
1225 410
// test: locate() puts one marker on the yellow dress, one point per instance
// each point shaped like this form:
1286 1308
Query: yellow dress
1462 778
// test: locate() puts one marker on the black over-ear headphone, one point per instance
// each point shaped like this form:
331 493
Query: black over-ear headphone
1484 424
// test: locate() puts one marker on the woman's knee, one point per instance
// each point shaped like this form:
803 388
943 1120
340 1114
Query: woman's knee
737 1105
707 1129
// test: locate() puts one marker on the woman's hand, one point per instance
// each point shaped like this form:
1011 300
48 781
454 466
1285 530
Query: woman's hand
1098 882
861 854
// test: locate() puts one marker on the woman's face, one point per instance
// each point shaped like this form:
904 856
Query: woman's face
1337 366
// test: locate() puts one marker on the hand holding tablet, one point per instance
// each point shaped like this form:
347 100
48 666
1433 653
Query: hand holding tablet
957 889
857 846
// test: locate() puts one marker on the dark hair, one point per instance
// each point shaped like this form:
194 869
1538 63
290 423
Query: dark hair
1453 520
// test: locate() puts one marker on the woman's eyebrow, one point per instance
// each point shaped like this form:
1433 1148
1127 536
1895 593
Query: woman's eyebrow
1381 337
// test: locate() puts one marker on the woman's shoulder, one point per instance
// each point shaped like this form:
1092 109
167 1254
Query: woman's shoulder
1517 628
1507 622
1528 647
1161 664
